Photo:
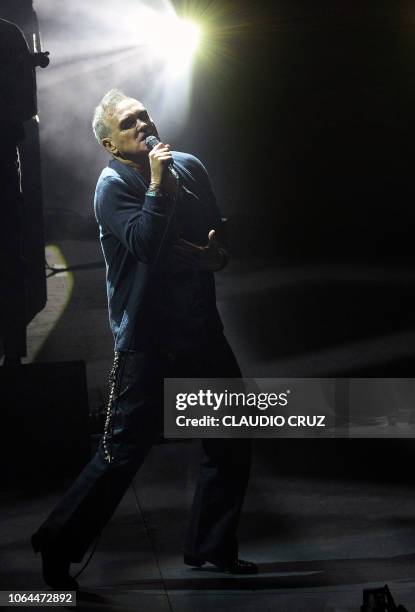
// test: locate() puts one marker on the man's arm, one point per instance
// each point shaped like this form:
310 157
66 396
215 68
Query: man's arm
211 257
140 224
214 256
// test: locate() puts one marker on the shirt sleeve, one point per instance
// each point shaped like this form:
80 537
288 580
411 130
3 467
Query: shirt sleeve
141 225
217 222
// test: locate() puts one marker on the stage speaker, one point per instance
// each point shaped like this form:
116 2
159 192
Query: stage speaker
44 415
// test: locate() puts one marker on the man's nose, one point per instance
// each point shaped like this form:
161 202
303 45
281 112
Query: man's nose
142 124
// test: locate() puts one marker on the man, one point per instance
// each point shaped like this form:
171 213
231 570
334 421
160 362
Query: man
154 226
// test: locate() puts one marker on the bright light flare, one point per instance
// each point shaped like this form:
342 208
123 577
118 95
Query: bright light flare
190 34
175 40
140 46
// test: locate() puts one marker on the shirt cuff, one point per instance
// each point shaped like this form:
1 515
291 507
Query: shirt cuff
157 203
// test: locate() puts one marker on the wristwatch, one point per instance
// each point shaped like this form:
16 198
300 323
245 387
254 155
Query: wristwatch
156 193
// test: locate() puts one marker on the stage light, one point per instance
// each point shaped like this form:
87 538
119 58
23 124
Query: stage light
179 38
143 47
173 39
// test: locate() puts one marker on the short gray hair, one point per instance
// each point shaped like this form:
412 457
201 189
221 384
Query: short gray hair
105 109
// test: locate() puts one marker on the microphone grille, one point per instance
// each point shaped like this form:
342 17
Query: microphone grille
151 142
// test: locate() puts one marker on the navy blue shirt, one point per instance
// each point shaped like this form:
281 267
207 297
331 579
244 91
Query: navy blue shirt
153 298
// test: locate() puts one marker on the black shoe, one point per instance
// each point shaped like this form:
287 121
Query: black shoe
237 566
55 566
192 561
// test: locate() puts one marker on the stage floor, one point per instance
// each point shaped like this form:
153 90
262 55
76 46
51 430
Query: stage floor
320 535
318 542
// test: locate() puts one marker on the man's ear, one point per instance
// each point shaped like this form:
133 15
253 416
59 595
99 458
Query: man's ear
109 146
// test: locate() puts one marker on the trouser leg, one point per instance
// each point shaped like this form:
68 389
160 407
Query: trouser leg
89 503
218 500
223 476
220 490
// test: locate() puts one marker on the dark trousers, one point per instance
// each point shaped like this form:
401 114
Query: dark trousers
136 423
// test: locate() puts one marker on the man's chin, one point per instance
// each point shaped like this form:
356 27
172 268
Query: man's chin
139 156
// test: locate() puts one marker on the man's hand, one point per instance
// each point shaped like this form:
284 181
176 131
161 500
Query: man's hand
160 157
211 257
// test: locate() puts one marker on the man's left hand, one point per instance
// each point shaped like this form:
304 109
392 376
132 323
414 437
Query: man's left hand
211 257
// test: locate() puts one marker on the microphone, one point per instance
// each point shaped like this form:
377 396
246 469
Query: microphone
151 142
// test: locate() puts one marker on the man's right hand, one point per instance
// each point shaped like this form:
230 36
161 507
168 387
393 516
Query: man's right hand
159 159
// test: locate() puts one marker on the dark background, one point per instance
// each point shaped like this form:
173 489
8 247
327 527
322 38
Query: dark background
304 119
303 114
312 134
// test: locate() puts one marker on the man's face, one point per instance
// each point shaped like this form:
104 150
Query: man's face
130 125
